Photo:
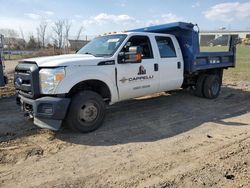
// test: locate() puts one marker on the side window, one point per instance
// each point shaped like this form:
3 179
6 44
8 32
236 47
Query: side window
144 43
166 47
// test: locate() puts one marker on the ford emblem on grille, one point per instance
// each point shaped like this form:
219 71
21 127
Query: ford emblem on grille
18 82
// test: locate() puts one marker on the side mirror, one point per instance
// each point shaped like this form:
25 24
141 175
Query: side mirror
132 56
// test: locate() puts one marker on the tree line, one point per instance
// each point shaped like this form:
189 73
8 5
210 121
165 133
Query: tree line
48 35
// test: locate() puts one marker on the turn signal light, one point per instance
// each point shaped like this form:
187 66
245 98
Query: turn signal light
59 77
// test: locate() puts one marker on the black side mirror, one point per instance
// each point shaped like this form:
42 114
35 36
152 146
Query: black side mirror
132 56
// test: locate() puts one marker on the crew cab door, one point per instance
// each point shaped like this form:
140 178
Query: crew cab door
138 79
170 62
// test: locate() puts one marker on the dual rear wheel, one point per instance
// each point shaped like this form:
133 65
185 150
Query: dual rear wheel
208 86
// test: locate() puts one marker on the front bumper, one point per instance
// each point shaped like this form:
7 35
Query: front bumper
47 112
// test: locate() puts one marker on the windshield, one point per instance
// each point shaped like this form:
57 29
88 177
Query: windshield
103 46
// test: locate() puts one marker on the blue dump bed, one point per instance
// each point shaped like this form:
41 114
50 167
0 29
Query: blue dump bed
188 39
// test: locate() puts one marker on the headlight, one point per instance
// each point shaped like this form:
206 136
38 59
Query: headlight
50 78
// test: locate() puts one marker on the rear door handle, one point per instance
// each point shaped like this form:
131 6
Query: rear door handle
156 67
179 65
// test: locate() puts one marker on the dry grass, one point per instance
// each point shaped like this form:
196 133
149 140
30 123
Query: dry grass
38 53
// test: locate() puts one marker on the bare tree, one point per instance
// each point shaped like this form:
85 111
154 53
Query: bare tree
38 39
32 43
10 38
79 33
21 32
67 25
58 29
23 39
9 33
41 32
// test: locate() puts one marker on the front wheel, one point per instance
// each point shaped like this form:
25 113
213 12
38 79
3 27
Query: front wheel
86 112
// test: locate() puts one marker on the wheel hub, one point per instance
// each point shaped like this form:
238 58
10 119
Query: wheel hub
88 113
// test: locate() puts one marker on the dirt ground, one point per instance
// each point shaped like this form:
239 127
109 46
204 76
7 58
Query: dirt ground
166 140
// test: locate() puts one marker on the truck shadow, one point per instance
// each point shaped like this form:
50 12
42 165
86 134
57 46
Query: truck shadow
12 122
155 118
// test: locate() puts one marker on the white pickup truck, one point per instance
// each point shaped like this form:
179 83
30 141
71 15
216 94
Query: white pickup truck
75 89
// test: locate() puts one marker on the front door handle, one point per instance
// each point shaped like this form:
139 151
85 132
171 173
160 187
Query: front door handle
179 65
156 67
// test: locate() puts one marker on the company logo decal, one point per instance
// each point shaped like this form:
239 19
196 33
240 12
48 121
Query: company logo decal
140 78
142 70
137 78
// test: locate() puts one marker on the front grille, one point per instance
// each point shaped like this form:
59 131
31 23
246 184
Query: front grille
26 79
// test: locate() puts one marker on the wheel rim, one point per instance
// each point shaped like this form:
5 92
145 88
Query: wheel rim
215 87
88 112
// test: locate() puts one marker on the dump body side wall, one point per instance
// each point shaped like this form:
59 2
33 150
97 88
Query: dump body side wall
188 39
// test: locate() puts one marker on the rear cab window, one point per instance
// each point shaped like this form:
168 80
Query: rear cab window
166 47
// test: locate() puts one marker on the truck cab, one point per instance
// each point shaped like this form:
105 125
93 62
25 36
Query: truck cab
75 89
160 67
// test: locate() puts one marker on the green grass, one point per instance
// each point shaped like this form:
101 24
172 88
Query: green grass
15 57
242 70
214 49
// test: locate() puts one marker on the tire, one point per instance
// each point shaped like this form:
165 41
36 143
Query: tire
86 112
199 86
212 86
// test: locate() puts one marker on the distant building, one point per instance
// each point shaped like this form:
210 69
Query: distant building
77 44
206 36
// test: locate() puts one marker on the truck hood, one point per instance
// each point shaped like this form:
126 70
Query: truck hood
66 60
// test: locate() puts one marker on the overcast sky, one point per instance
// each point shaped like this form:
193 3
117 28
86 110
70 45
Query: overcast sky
99 16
